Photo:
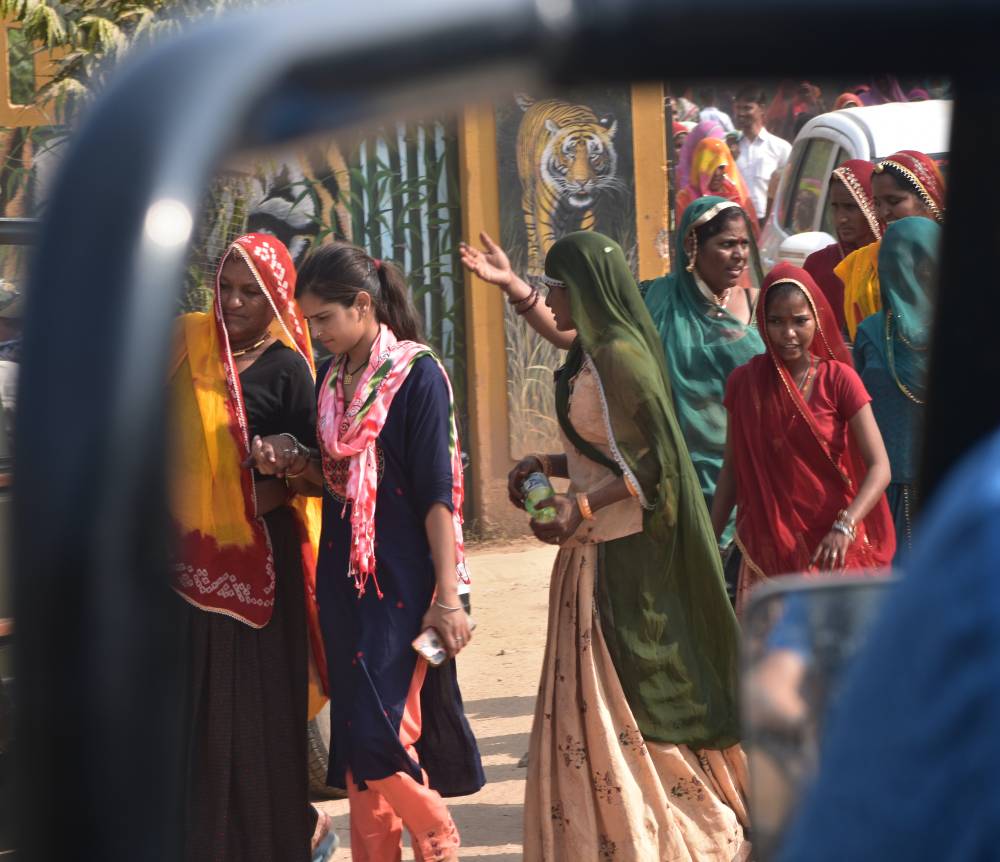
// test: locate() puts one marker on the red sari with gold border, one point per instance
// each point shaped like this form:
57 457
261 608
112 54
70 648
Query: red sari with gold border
796 463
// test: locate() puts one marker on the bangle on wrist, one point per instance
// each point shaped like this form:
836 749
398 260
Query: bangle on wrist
298 473
523 299
298 451
583 504
544 464
530 305
845 524
448 608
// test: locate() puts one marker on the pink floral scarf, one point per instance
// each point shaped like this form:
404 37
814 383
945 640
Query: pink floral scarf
352 433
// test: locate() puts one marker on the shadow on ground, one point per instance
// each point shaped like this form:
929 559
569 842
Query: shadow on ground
500 707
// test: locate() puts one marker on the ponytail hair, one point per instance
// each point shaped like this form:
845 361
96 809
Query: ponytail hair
338 272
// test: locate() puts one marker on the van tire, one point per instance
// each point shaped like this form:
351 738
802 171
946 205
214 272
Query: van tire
318 731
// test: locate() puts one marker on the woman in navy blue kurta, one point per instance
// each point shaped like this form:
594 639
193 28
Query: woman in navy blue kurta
390 555
368 639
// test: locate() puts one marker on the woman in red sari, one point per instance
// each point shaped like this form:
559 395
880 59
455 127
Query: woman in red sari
856 220
908 183
805 464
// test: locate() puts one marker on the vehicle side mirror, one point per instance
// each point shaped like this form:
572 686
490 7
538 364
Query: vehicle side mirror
799 636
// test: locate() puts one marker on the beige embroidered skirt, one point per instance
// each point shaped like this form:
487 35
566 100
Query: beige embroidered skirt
596 789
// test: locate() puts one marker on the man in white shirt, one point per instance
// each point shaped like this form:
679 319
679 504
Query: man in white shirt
761 153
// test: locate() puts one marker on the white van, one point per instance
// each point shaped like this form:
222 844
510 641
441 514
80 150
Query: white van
828 140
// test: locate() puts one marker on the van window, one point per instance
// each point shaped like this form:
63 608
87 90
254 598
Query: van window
808 190
827 224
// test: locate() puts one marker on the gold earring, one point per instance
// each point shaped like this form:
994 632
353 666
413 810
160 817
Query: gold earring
693 256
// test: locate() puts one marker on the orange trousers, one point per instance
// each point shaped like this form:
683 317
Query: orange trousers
379 813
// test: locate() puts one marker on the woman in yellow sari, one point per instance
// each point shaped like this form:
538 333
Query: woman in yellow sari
246 567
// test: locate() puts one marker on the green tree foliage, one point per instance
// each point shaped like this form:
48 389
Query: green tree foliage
96 34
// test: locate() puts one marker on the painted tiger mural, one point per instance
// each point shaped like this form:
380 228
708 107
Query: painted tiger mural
565 156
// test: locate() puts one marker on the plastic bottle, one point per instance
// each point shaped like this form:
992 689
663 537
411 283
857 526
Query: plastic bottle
537 487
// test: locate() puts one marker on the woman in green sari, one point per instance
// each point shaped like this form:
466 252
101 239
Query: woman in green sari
702 311
635 744
891 356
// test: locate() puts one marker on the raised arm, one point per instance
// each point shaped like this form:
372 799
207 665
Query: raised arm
491 265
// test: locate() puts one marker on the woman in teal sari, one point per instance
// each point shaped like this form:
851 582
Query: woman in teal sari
891 354
702 311
634 747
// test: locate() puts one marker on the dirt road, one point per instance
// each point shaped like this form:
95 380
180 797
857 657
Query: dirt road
499 677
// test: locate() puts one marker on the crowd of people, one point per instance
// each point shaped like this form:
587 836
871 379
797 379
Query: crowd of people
801 431
751 135
720 426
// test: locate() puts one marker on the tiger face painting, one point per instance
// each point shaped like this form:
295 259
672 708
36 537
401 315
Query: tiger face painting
565 156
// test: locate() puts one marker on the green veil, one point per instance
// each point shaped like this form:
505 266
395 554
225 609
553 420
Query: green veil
900 332
662 600
701 349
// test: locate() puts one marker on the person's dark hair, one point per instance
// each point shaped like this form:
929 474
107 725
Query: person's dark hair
751 93
717 225
900 179
800 121
780 291
339 271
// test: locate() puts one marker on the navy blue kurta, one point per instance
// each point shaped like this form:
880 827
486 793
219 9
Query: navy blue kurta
367 640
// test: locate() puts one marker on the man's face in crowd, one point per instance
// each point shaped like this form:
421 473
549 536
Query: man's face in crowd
749 116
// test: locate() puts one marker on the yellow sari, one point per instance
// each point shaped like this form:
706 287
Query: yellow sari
859 273
224 563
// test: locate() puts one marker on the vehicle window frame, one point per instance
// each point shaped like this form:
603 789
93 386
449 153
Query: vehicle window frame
788 211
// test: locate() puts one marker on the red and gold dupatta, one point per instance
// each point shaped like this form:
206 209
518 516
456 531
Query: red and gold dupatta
790 485
224 562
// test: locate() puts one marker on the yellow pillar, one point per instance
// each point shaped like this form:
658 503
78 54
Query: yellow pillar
649 150
484 320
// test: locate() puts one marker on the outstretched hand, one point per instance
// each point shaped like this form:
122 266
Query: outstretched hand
490 264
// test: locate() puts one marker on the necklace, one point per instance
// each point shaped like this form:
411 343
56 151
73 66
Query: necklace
719 300
258 343
807 376
348 374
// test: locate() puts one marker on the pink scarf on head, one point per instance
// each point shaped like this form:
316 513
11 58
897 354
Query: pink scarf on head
352 432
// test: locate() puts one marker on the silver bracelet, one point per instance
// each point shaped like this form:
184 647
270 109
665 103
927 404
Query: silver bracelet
842 528
299 448
448 608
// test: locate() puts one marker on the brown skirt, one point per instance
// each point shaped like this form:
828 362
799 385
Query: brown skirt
246 791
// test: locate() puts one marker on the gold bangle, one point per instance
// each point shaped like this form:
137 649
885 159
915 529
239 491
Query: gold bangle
632 489
583 504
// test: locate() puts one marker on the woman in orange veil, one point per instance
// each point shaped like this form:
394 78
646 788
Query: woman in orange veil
714 172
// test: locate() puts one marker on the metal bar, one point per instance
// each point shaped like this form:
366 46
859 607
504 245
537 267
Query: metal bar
18 231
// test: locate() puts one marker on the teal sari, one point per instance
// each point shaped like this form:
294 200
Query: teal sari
891 355
703 344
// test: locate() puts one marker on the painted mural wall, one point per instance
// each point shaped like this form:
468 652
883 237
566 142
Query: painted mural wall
565 164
